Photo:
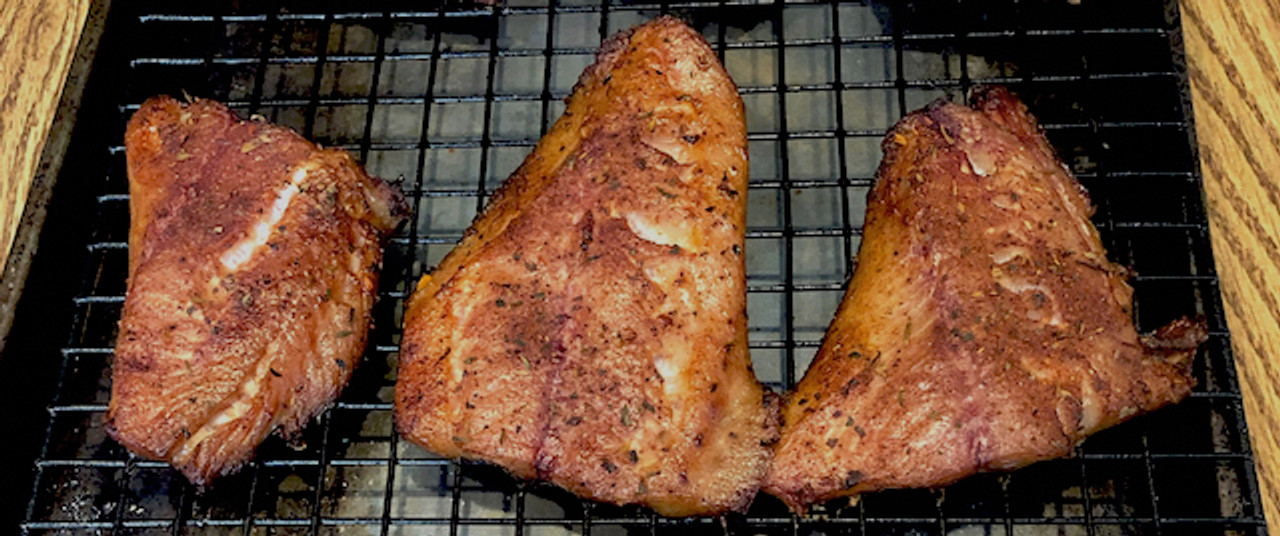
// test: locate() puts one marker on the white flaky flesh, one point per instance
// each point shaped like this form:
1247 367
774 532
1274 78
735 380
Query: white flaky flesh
242 252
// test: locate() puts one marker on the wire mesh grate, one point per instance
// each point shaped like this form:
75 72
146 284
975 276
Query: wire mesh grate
447 99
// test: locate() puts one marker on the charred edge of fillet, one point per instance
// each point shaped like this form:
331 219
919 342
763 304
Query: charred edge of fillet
1177 341
397 206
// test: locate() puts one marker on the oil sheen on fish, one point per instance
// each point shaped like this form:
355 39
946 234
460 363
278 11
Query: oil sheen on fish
590 327
983 329
253 264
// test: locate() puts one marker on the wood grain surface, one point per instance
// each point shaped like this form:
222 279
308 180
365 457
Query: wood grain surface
37 42
1234 67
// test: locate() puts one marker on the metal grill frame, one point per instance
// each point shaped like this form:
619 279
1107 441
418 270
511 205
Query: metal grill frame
135 496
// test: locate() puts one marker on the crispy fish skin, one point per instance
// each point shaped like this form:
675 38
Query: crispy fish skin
983 328
590 327
253 265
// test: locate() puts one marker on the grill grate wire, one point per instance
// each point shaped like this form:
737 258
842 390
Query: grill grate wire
448 99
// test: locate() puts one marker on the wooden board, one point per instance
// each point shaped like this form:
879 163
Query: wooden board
37 43
1233 50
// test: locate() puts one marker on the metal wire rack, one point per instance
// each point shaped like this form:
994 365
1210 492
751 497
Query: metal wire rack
446 98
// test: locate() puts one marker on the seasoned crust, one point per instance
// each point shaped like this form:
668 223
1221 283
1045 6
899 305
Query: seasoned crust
983 328
254 258
590 327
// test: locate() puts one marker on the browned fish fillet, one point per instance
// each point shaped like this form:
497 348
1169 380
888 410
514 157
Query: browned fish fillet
983 328
590 328
253 263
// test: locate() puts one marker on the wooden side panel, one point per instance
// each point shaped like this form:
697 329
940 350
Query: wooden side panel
37 42
1234 64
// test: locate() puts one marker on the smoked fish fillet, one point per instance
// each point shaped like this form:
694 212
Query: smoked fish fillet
590 327
983 329
253 264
